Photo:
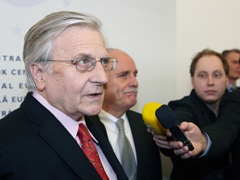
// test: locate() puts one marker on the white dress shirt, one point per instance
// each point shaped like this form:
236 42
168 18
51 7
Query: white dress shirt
112 131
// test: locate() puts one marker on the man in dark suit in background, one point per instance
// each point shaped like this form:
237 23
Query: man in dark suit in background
211 141
209 72
120 96
66 63
232 56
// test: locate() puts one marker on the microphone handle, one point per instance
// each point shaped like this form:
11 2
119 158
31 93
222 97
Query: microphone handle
179 135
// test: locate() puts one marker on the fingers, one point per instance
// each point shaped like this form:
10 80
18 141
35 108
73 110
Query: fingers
187 155
192 132
161 142
179 149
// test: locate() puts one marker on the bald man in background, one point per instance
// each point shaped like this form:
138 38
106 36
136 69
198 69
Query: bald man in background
120 96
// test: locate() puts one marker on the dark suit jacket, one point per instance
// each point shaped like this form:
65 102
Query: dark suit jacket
192 109
35 145
235 150
227 127
148 154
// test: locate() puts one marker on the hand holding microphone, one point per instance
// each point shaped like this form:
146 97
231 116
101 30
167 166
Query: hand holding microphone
160 118
168 120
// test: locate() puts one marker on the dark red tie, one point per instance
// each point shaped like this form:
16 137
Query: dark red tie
90 150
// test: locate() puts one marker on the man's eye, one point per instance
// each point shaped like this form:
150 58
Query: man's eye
123 75
202 75
217 75
105 61
83 61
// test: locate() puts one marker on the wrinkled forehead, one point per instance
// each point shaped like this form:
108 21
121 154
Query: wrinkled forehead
92 49
75 41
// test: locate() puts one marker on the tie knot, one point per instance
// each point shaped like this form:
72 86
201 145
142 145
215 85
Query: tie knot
83 132
120 124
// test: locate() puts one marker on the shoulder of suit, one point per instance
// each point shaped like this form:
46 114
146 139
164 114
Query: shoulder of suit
133 112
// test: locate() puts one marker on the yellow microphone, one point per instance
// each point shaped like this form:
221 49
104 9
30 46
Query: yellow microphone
150 119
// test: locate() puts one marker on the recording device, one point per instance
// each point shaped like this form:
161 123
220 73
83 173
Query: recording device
168 120
150 119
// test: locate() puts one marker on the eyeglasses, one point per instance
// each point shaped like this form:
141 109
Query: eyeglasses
89 63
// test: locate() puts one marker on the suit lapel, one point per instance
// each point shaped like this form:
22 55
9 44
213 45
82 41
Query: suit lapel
136 129
99 132
68 149
59 139
96 121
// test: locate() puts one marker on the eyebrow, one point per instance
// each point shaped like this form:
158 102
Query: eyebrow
127 72
88 55
217 70
82 55
124 72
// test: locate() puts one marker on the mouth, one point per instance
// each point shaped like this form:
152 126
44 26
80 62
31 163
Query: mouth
130 92
95 94
210 92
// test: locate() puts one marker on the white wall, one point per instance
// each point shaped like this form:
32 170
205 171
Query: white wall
146 30
203 24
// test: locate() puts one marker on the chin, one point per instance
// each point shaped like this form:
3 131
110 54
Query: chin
210 101
91 111
132 103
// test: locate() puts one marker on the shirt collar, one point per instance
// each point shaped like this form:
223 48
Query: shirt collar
70 124
110 120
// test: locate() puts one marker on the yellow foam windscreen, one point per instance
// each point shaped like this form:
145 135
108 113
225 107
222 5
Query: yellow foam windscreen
150 119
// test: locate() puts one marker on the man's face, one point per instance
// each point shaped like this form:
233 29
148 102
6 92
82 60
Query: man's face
234 67
73 92
122 86
209 80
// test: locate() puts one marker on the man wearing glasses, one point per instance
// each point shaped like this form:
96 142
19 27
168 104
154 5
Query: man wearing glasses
49 135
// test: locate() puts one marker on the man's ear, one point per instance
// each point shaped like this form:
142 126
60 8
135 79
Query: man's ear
227 82
38 76
192 82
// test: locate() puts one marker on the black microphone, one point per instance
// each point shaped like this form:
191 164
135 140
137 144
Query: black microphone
168 120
